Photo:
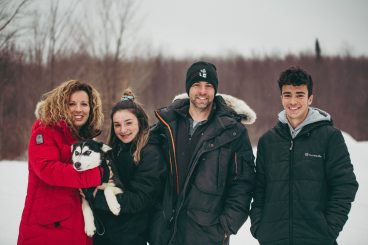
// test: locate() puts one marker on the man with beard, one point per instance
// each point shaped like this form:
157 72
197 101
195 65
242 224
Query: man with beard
210 161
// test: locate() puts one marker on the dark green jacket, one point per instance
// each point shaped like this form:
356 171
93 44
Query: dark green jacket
305 186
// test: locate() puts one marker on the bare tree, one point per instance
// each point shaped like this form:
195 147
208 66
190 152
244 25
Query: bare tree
60 27
37 40
108 32
8 14
4 16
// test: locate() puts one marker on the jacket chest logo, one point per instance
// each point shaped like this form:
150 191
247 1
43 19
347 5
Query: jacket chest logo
312 155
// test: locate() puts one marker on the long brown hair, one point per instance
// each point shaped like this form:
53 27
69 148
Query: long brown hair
54 107
128 102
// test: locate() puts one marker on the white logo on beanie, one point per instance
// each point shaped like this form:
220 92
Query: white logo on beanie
203 73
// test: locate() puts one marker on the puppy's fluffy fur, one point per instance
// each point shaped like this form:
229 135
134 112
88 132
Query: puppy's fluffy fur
91 154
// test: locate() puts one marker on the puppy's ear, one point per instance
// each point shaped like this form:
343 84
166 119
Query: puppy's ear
105 148
73 147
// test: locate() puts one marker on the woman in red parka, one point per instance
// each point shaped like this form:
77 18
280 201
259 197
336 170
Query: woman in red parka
52 213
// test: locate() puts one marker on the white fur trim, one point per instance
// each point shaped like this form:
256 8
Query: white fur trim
38 109
238 105
181 96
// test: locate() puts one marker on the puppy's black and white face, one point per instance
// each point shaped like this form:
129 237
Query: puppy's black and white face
88 154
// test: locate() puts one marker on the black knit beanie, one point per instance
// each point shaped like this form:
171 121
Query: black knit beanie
201 71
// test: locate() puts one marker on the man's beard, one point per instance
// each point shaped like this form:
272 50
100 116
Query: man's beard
204 106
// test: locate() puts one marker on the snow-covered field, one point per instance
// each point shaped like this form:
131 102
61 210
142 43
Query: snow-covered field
13 184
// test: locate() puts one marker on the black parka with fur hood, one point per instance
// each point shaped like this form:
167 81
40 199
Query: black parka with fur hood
215 199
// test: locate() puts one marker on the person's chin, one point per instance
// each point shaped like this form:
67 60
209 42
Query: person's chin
294 113
78 124
202 105
126 140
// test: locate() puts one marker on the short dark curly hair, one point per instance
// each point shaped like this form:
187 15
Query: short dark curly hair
296 76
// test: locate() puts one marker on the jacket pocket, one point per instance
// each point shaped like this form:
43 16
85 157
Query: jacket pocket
206 202
330 231
53 213
212 171
223 163
203 218
206 228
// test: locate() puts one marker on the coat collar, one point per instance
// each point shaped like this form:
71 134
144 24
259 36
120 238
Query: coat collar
226 106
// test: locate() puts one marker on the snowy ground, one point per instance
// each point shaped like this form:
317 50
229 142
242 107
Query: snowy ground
14 174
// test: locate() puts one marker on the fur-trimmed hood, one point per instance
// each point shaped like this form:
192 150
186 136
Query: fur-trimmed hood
238 105
38 109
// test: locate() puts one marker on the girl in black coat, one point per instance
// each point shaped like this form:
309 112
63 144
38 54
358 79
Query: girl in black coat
141 169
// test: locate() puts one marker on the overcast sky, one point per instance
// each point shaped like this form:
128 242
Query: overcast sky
250 27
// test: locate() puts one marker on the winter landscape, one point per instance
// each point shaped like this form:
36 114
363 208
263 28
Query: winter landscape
148 45
13 179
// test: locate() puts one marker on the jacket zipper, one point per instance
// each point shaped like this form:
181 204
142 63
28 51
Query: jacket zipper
291 177
182 197
173 213
174 152
225 238
236 165
183 191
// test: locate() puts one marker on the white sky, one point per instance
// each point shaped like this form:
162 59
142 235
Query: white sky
250 27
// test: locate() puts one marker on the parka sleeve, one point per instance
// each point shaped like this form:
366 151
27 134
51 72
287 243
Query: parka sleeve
145 186
45 160
259 193
240 186
341 181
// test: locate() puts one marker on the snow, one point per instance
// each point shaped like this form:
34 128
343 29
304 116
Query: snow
13 179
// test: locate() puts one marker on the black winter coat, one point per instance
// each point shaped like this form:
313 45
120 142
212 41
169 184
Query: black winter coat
305 186
142 189
215 199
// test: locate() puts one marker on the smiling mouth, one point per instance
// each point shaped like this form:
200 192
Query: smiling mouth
202 99
294 108
78 118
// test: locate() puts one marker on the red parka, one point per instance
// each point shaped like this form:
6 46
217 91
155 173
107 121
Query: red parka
52 212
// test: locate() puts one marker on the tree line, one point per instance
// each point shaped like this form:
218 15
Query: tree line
63 47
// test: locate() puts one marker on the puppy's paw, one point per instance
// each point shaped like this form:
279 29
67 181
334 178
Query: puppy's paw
115 208
90 229
112 201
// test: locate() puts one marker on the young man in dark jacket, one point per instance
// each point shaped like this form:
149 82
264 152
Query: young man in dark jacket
210 161
305 179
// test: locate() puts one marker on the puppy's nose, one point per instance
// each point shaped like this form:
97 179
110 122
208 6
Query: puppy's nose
77 165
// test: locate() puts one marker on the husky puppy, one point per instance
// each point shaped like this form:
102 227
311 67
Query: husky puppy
91 154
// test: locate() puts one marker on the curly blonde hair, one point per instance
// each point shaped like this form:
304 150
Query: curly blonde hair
54 107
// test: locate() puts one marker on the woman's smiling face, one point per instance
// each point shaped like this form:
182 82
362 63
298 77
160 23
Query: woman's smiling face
126 126
79 108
